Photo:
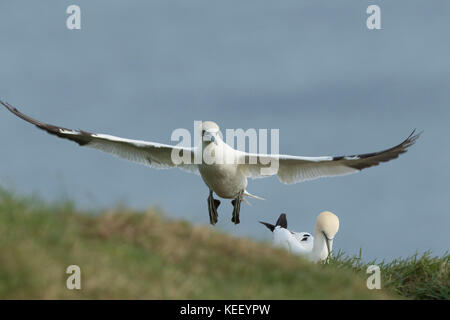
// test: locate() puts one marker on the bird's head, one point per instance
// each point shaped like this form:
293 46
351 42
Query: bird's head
327 225
210 132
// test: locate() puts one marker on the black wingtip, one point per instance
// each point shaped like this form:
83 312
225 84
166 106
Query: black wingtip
269 226
7 106
82 139
414 136
282 221
411 139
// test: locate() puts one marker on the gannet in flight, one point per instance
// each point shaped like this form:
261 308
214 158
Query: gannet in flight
317 248
227 179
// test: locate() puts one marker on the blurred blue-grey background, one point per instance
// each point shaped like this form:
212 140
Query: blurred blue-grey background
139 69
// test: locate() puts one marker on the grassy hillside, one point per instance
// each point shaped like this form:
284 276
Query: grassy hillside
143 255
416 277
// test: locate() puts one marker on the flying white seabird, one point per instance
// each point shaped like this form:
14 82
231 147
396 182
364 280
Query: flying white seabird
227 179
317 248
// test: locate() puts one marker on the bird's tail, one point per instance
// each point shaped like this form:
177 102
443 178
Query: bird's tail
269 226
247 194
281 222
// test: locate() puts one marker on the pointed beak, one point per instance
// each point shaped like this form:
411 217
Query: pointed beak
329 243
329 247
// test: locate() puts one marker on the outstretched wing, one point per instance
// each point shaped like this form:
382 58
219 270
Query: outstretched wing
152 154
293 169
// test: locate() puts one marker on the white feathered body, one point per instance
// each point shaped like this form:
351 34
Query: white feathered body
224 178
293 241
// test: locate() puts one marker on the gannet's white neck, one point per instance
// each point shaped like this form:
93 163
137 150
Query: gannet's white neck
320 250
217 151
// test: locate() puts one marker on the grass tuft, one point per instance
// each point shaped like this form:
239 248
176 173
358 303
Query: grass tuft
417 277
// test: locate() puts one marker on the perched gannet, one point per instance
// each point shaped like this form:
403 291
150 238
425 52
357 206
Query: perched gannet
295 242
316 248
227 179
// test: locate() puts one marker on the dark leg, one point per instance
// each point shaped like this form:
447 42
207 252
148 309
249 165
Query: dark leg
237 209
213 204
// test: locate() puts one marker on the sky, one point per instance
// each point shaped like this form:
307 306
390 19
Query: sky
313 70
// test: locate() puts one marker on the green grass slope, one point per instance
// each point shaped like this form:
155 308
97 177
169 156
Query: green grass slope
416 277
142 255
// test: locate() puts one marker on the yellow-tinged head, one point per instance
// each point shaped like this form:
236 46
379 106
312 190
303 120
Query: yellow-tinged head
209 126
209 131
327 225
